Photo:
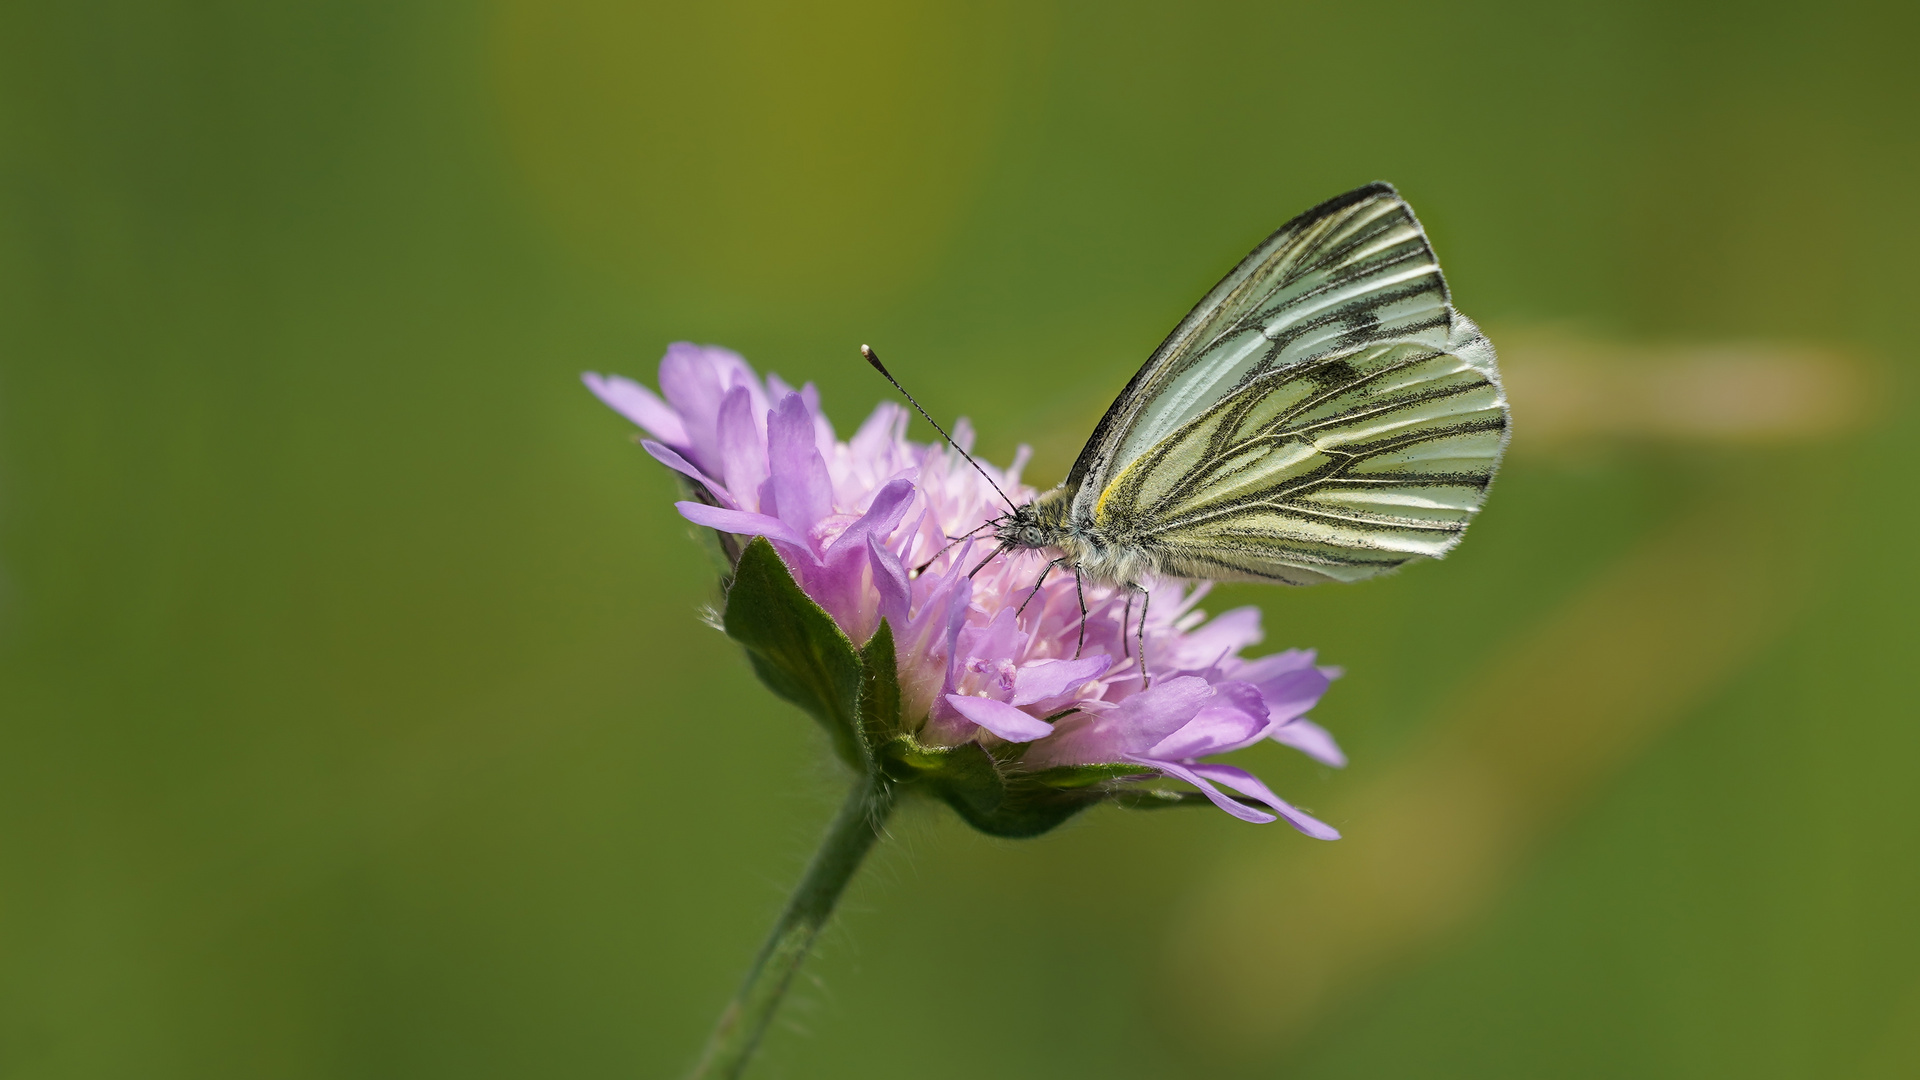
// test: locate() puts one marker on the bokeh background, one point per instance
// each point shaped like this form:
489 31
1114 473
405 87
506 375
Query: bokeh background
358 722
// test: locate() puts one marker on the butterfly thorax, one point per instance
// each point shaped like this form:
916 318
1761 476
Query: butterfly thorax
1048 522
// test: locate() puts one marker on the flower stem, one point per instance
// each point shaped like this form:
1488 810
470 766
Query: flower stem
745 1019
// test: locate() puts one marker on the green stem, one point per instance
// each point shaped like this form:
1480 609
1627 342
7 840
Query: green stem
848 839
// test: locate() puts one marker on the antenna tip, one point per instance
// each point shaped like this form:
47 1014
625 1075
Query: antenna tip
872 357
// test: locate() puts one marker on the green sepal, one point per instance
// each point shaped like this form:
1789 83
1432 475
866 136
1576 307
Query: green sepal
965 777
1070 777
1039 801
879 688
1146 798
795 647
969 779
1030 809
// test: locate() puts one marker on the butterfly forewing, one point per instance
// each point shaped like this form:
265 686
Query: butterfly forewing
1353 268
1323 415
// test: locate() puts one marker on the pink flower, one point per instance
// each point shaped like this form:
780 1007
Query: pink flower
988 659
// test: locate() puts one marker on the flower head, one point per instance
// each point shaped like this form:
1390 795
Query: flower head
1019 702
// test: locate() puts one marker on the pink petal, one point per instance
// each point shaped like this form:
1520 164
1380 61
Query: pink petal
1290 694
1051 678
1310 739
638 404
838 577
1000 718
822 427
1000 639
1279 663
1147 718
1246 783
1021 455
924 646
1223 635
695 381
799 474
877 435
742 451
1224 802
890 578
741 523
665 456
1217 729
1129 728
883 516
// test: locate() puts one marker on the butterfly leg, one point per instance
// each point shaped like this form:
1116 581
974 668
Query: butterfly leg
1081 594
1044 571
1126 620
1145 599
994 554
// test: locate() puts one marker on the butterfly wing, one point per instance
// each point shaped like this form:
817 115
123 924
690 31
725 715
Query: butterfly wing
1323 414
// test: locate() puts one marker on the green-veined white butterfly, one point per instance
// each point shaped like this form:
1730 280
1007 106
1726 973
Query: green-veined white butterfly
1323 414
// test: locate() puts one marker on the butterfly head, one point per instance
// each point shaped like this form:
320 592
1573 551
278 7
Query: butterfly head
1040 523
1020 529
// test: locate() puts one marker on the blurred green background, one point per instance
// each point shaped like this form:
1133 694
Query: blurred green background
357 717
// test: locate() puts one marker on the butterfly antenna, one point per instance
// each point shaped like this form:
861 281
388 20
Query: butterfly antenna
957 540
874 359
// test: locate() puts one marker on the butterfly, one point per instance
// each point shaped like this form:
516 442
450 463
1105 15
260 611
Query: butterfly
1323 414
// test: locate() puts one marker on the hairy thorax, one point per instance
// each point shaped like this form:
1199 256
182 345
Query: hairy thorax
1047 522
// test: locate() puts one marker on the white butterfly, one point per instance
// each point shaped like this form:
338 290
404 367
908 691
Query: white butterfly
1324 414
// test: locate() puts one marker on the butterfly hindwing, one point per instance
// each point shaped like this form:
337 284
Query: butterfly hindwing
1324 414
